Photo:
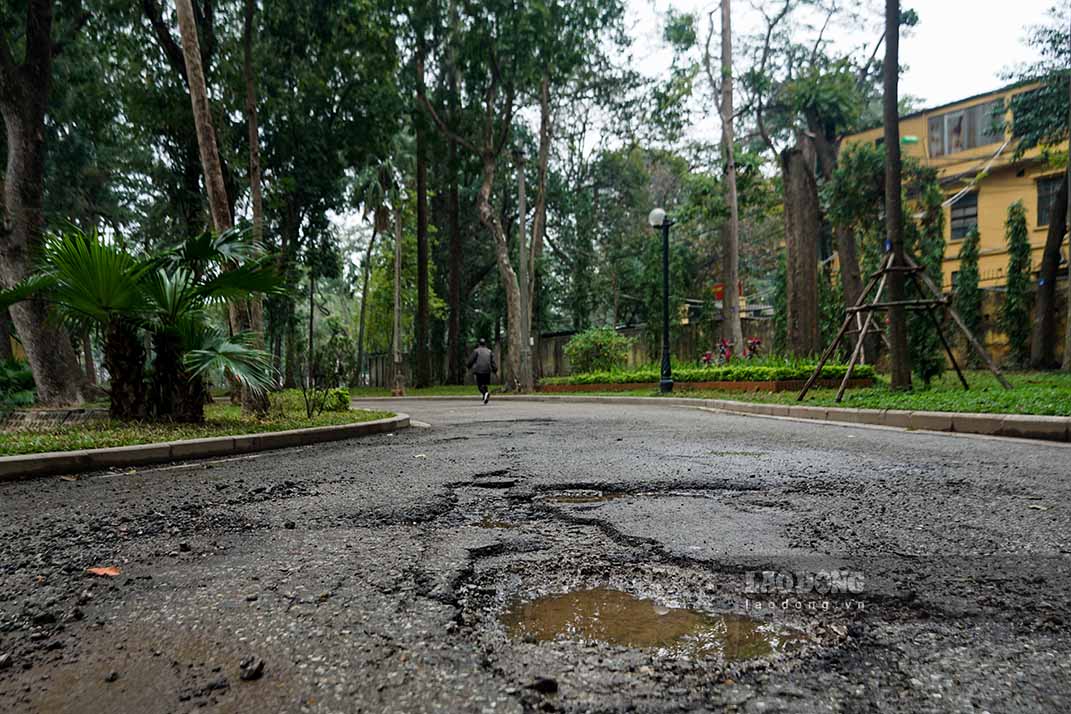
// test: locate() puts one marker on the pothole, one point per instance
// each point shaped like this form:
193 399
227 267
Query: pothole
620 618
584 496
493 523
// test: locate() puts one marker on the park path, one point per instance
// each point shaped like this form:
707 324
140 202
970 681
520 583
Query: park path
373 575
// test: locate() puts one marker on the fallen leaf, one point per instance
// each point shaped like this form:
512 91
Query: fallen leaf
110 571
421 456
68 478
1037 508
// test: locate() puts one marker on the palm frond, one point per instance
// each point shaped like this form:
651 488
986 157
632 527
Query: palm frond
250 366
245 280
34 286
170 294
91 278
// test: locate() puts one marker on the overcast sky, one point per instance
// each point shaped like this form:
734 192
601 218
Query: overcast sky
958 49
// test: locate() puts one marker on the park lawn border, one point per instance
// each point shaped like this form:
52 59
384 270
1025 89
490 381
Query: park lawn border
1020 426
55 463
774 385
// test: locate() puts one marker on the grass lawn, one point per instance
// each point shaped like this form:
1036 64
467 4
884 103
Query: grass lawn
1034 393
220 420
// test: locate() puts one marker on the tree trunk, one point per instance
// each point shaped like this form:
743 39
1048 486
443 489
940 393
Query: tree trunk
364 305
894 214
421 348
456 358
290 378
124 360
24 95
87 354
399 374
801 249
202 119
1043 343
7 329
524 376
505 268
731 235
253 402
1067 335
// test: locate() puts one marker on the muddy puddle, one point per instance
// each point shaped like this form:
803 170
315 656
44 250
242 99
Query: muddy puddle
582 497
494 523
619 618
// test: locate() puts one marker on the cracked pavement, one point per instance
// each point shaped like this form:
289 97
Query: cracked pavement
371 575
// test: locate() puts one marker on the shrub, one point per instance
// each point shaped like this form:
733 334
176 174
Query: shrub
729 373
338 400
16 385
599 349
1015 313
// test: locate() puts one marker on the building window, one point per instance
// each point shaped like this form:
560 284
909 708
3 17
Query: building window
955 279
964 215
963 129
1048 187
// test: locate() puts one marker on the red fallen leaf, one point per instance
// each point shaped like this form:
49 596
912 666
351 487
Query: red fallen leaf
110 571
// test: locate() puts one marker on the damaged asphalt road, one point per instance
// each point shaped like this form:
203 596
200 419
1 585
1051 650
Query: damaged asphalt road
374 575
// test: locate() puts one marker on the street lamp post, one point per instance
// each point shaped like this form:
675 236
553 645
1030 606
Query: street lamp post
659 219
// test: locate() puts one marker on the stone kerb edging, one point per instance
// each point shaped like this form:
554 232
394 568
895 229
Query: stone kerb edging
63 462
1022 426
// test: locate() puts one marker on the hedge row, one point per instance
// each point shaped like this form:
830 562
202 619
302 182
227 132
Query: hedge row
729 373
338 399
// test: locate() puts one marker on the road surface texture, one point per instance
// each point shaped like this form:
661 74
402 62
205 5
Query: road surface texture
404 572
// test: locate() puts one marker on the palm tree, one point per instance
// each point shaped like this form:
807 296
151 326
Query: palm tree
168 296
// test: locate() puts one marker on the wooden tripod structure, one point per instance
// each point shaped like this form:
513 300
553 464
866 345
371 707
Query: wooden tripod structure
929 305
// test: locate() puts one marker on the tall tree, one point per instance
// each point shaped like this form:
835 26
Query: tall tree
1040 119
422 347
894 215
24 98
219 206
250 312
1043 342
731 231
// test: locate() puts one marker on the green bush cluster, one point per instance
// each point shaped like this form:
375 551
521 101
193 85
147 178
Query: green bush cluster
599 349
16 385
338 400
729 373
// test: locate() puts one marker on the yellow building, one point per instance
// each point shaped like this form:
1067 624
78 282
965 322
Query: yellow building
977 168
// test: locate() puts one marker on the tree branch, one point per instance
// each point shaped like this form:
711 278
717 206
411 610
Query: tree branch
447 131
166 40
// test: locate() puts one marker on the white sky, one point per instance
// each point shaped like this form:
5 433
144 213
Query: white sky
958 49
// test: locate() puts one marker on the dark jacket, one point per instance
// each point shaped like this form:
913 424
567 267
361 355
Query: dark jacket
482 361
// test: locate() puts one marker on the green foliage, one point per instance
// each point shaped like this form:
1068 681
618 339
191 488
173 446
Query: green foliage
830 306
220 420
16 385
1018 298
967 296
599 349
741 372
927 242
292 400
1040 115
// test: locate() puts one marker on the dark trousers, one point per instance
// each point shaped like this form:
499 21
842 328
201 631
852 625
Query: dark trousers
482 380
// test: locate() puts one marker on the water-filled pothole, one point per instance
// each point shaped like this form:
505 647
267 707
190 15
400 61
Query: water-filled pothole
619 618
494 523
582 497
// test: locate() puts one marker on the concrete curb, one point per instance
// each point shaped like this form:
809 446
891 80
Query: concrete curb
61 462
1020 426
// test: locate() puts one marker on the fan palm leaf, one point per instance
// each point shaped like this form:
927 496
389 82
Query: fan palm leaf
211 350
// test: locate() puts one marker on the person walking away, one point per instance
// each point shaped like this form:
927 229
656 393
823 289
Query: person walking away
482 364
